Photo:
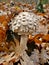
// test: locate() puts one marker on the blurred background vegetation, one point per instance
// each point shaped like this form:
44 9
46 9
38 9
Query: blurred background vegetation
28 1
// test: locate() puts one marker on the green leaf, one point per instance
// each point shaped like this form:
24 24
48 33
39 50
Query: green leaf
40 7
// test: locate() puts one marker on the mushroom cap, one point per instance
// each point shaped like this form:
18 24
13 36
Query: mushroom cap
25 23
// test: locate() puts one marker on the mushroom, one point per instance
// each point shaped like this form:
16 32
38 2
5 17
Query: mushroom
24 24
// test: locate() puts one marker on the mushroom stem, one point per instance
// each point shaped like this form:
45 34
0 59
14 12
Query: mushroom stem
23 43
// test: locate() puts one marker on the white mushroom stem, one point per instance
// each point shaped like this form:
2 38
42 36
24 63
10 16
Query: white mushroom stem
23 42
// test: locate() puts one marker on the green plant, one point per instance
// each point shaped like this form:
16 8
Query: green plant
44 1
40 7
